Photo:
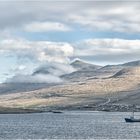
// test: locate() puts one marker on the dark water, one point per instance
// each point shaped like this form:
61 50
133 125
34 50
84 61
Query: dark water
68 125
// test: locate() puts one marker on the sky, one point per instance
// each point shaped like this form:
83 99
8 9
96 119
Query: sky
53 33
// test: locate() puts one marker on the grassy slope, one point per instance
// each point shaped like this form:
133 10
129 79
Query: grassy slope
92 91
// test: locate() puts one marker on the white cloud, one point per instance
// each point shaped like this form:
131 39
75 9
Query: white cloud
34 79
41 73
21 67
47 16
108 45
109 50
46 27
33 54
38 50
118 18
56 69
122 16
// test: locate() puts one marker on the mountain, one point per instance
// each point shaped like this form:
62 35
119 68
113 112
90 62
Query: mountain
109 70
84 66
84 71
77 69
128 72
113 69
89 91
132 64
41 71
8 88
56 69
87 71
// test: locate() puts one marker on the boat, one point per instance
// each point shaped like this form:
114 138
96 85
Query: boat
132 119
56 111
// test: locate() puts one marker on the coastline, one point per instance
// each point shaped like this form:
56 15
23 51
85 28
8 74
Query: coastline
5 110
105 108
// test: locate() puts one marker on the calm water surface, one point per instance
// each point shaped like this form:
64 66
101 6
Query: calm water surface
68 125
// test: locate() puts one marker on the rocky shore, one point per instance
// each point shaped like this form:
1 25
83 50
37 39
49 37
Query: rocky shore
107 108
114 108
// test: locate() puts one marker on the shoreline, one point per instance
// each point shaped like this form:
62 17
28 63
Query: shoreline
60 109
6 110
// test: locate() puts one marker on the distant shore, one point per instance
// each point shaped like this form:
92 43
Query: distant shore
59 109
5 110
106 108
110 108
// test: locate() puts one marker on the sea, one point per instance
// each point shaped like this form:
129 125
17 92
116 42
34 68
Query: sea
69 125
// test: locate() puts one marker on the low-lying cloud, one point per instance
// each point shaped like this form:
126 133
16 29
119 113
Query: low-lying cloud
40 78
50 56
56 69
65 20
49 60
44 73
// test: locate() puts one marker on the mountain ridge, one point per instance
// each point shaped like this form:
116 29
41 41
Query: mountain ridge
90 92
98 71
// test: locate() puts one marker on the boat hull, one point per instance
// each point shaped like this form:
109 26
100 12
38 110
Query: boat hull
132 120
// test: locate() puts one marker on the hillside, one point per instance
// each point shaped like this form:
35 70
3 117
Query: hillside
113 93
84 66
133 63
83 71
128 72
87 71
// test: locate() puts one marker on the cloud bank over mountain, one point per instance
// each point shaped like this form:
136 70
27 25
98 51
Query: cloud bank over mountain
54 57
51 34
40 53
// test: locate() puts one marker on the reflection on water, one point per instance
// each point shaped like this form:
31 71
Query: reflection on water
76 124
